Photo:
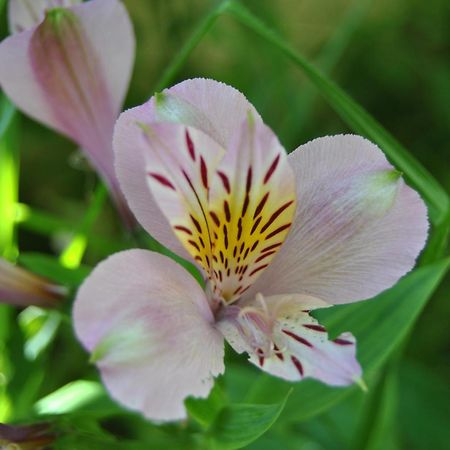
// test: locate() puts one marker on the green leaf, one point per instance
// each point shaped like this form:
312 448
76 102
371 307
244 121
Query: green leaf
205 410
198 33
356 117
9 179
78 396
240 424
73 254
379 325
49 267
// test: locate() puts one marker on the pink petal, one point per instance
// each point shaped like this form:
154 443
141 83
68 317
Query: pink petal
282 339
22 288
24 14
358 227
252 202
210 106
151 332
71 72
231 212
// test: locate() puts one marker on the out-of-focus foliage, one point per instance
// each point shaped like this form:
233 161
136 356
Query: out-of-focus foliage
392 59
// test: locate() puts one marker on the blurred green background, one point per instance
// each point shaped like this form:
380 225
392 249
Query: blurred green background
393 57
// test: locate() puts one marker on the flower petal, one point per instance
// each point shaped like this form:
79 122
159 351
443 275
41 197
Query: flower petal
151 332
251 208
284 340
71 72
358 227
24 14
230 210
22 288
210 106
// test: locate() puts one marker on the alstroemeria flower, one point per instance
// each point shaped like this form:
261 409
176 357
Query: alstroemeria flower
71 72
20 287
275 236
23 14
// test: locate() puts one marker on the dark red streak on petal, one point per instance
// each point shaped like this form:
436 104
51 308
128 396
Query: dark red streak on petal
272 168
275 215
163 180
278 353
214 218
226 210
265 255
237 290
225 181
255 225
278 230
204 172
196 223
261 204
239 234
225 236
260 354
342 342
254 246
271 247
297 338
258 269
184 229
315 327
190 145
297 364
245 205
194 244
249 180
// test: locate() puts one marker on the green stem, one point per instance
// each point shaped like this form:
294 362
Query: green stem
197 35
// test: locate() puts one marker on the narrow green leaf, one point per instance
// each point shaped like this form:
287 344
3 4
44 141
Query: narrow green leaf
80 395
356 117
49 267
240 424
197 35
377 421
47 224
73 254
379 325
205 410
9 179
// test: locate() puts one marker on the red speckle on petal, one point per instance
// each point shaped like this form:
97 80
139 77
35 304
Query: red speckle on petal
275 215
190 145
204 172
184 229
225 181
162 180
278 230
297 364
272 168
342 342
297 338
315 327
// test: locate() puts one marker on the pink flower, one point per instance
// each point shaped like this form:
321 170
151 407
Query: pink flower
71 72
24 14
22 288
274 235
